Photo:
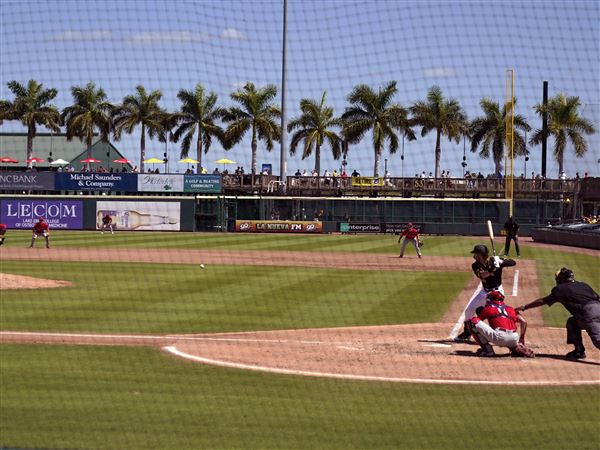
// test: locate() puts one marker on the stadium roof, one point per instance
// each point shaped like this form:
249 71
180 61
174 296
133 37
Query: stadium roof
55 146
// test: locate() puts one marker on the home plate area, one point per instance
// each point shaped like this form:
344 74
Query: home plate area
417 353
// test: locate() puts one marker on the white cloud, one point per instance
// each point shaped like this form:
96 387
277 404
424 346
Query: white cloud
439 72
167 37
232 33
88 35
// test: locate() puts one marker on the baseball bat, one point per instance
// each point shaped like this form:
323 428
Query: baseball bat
491 234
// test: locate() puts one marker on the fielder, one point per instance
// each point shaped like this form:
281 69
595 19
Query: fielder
502 328
582 302
40 229
489 271
3 228
410 234
107 223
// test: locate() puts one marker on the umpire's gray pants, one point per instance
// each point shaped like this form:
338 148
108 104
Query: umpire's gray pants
589 323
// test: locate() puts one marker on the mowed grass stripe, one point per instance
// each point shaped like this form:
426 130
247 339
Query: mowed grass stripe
151 298
138 398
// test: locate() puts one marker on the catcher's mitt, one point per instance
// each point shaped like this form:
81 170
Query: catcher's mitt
523 350
420 243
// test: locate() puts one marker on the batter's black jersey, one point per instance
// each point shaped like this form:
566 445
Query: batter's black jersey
495 279
577 297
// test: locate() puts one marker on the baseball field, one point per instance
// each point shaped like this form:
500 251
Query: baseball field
278 341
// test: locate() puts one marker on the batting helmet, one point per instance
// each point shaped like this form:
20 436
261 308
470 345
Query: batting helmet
495 296
480 249
564 275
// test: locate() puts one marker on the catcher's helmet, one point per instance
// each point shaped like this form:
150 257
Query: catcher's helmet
495 296
480 249
409 224
564 275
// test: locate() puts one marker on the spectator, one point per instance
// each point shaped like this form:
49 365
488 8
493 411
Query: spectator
304 173
355 173
298 173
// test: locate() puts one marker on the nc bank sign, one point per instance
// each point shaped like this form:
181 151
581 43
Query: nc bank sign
60 214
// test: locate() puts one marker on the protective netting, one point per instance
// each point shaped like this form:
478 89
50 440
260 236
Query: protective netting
463 47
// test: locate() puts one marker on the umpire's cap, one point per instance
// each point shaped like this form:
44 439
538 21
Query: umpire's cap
481 249
564 275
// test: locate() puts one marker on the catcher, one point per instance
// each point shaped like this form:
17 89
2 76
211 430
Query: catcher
502 328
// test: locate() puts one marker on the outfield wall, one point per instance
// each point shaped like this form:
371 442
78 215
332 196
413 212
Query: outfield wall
86 212
219 213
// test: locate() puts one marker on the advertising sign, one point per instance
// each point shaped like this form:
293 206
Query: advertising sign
60 214
29 181
140 216
367 181
202 183
278 226
125 182
363 228
148 182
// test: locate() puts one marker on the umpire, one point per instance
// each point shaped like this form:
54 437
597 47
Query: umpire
582 302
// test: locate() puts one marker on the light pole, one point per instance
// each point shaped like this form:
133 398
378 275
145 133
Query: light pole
402 156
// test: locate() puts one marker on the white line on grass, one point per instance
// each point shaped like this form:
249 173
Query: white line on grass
216 362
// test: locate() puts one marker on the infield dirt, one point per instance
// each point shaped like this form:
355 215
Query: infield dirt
408 353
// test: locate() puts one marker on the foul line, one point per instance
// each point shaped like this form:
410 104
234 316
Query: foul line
515 289
173 350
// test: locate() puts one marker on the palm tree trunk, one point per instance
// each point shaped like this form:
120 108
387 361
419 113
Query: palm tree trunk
438 153
560 159
142 148
88 150
376 167
30 133
254 147
199 152
498 166
318 159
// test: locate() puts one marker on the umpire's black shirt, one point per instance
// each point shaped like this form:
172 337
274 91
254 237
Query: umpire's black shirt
577 297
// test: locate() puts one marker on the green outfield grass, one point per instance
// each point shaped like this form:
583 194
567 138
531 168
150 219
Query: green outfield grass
153 298
137 398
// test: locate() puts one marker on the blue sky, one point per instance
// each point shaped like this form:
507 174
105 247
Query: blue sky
464 47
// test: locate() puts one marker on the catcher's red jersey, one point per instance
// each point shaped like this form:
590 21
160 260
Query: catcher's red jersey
499 315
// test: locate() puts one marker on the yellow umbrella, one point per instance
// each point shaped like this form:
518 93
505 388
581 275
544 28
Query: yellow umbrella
188 161
224 161
153 161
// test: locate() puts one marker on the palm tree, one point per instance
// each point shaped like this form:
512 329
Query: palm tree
198 113
314 127
258 114
446 117
489 130
90 111
564 123
372 110
31 108
141 109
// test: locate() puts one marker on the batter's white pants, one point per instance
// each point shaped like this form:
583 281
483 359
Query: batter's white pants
488 335
405 243
478 300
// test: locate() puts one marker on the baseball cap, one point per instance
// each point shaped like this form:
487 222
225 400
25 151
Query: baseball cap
481 249
409 224
495 296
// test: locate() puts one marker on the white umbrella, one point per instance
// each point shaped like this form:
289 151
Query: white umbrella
59 162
